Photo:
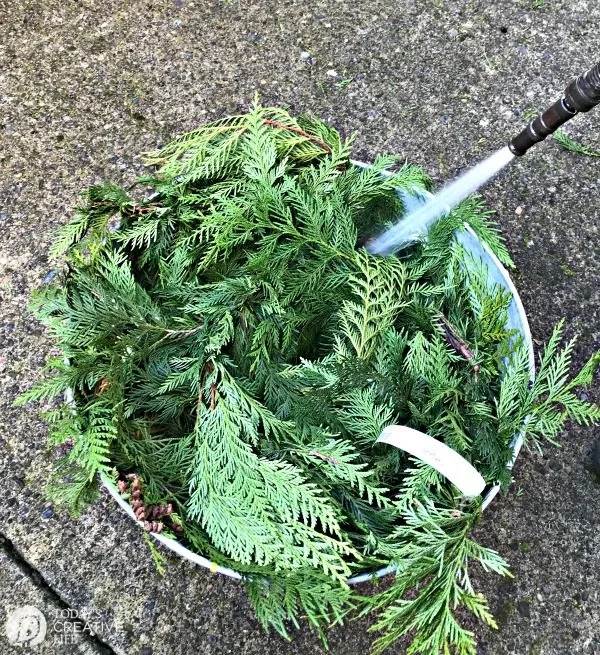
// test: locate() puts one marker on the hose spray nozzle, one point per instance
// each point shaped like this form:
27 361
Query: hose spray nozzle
581 95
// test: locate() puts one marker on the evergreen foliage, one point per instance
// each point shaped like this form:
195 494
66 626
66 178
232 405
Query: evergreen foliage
567 143
230 341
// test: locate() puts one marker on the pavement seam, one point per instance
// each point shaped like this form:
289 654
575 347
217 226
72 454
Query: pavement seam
16 557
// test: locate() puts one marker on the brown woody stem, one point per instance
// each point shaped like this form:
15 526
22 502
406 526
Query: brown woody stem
297 130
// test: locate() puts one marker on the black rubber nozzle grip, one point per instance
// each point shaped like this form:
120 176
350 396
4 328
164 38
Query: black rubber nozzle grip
540 127
581 95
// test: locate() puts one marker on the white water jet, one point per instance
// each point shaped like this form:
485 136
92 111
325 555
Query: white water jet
415 225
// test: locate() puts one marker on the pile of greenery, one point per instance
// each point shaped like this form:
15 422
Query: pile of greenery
232 346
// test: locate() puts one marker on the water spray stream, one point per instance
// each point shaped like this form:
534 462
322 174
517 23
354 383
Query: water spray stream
581 95
416 225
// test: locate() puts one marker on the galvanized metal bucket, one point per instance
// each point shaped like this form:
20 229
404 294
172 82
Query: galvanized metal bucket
516 320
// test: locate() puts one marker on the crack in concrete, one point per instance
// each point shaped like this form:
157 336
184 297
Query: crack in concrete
38 579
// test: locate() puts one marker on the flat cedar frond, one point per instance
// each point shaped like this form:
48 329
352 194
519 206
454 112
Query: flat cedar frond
230 346
378 289
433 547
280 600
567 143
77 494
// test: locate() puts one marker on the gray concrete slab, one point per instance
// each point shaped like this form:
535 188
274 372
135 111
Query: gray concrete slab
35 619
85 87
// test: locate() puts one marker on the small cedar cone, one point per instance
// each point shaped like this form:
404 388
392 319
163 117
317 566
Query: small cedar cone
148 515
103 385
158 511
